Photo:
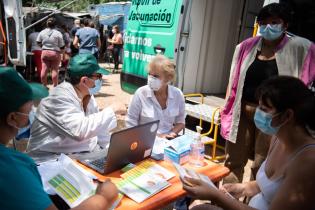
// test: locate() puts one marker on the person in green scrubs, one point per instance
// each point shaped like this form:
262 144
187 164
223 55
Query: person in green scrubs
20 182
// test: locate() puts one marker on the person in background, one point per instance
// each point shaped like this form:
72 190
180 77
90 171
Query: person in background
158 100
67 51
92 24
110 33
255 60
18 169
35 49
75 28
285 180
68 120
52 43
117 42
88 38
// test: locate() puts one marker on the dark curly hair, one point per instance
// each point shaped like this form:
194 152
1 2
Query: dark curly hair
280 10
285 92
51 22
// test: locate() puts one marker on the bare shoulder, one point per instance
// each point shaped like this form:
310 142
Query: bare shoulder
303 164
298 186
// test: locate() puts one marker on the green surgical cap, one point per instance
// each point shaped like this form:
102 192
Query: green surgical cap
15 91
85 64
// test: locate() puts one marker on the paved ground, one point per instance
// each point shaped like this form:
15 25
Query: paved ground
110 93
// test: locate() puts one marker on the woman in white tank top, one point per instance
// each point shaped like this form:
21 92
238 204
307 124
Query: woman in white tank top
286 180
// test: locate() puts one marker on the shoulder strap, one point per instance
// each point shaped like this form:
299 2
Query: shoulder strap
300 150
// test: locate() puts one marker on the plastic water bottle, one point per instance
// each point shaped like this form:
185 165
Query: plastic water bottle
197 150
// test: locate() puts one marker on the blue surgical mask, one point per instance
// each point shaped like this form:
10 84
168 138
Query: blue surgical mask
96 88
271 32
263 122
23 130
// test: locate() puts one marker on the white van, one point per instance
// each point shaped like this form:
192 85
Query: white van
12 34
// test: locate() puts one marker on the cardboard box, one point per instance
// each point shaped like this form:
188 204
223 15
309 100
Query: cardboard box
178 150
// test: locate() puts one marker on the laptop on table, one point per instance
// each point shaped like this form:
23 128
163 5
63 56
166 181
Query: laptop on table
126 146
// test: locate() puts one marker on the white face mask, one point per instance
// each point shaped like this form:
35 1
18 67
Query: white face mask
154 83
28 123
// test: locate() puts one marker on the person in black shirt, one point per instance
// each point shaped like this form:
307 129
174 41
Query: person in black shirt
75 28
259 63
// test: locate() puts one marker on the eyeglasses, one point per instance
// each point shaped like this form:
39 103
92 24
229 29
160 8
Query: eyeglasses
95 76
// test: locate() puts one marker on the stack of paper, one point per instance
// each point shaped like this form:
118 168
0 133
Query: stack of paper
71 183
144 181
159 145
184 172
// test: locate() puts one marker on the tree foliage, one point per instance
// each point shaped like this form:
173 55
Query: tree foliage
78 6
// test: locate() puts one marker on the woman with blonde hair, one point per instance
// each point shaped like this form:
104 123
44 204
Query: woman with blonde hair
159 100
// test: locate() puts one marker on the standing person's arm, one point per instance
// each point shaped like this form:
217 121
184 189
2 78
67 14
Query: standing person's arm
233 65
76 42
98 40
76 39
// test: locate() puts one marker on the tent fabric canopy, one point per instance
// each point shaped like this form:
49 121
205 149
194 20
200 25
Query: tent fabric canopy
112 13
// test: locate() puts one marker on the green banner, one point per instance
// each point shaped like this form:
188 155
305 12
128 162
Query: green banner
152 26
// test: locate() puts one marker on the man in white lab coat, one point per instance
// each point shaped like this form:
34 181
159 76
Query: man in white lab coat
68 120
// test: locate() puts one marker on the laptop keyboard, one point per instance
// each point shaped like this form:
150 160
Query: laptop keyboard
99 163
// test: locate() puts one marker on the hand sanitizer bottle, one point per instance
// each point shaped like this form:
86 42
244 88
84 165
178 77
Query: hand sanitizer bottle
197 149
